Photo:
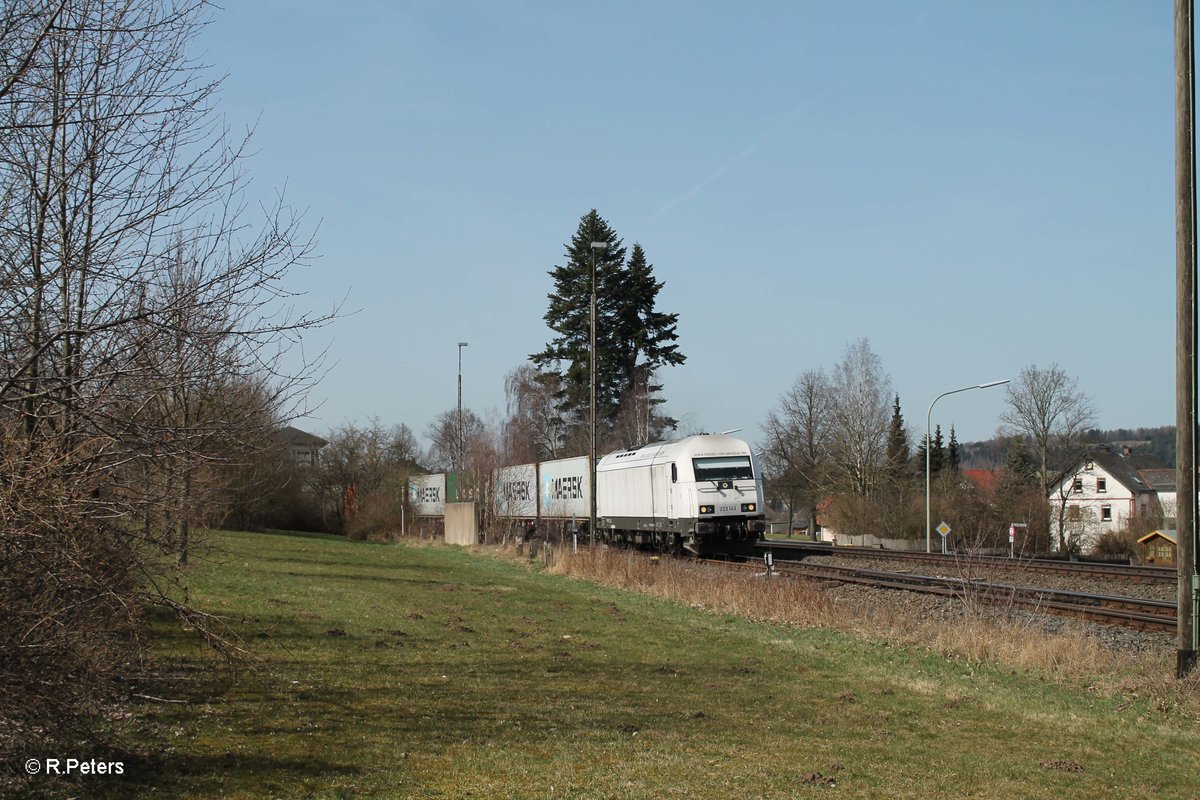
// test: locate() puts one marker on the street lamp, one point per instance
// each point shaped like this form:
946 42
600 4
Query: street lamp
461 441
592 424
928 445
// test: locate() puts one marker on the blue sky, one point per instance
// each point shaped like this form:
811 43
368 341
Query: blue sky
974 187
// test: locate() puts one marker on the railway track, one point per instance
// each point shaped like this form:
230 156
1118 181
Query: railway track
1123 572
1132 612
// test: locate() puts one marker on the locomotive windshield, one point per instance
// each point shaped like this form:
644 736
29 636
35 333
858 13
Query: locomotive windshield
726 468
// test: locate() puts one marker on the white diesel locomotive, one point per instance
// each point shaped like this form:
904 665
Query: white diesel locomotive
702 494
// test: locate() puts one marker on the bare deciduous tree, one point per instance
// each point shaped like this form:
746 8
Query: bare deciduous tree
1048 407
860 413
797 442
453 439
535 428
370 463
144 326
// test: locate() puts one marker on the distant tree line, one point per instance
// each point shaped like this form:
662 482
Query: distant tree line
1156 441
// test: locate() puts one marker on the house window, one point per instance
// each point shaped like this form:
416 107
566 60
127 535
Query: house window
1073 513
1101 484
1078 484
1106 513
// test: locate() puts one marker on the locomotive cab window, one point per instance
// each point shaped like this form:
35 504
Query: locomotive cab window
725 468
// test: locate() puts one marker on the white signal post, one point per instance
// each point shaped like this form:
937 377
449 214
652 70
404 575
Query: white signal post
1012 537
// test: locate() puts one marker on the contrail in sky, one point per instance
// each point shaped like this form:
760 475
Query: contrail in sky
896 40
740 157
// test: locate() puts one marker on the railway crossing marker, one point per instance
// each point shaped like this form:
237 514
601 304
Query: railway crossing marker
943 530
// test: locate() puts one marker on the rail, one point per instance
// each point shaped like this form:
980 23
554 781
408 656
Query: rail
787 550
1143 614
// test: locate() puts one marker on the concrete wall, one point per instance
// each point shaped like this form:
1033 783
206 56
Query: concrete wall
462 524
868 540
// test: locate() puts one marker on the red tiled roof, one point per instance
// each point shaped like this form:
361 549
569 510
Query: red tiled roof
985 479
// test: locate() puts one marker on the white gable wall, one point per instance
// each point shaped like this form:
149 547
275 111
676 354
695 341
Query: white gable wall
1100 504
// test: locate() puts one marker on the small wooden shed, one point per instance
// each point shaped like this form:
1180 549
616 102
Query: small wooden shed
1158 547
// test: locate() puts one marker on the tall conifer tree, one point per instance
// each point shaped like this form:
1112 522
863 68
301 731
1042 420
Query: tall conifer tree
644 341
1019 467
633 338
897 452
952 451
937 453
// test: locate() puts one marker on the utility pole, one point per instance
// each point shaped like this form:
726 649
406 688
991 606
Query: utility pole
592 418
1185 332
462 445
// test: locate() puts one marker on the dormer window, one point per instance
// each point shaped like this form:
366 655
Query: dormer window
1088 465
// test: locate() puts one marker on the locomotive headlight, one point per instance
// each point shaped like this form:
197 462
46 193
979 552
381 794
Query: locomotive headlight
749 507
706 509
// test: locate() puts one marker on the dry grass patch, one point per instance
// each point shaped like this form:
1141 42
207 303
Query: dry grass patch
980 634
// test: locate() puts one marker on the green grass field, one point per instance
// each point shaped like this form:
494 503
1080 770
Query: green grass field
415 671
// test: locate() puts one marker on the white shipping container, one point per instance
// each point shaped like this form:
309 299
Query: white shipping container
564 489
516 491
428 494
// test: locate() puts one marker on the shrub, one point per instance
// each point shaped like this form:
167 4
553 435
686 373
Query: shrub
380 514
1114 543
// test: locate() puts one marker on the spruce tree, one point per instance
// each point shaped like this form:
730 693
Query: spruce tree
643 339
937 453
952 459
569 316
633 338
897 447
1019 469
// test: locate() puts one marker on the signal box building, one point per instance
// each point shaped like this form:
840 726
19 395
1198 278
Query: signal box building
304 448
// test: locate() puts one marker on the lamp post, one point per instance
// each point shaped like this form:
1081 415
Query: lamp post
928 445
461 443
592 403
